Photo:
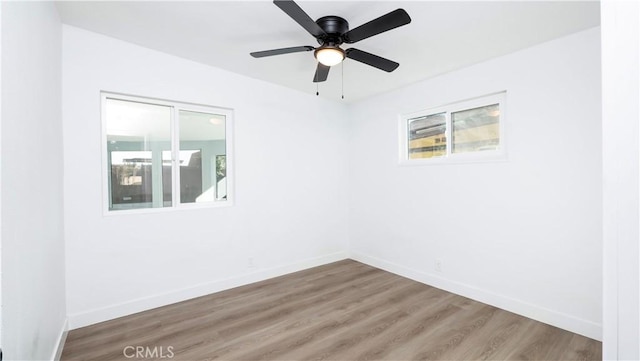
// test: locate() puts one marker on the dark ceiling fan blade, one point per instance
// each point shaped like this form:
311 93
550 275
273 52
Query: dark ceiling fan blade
370 59
296 13
384 23
295 49
322 72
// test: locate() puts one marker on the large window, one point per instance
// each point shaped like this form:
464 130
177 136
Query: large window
464 131
164 154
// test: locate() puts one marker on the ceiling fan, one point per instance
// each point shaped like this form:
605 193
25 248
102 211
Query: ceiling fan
332 31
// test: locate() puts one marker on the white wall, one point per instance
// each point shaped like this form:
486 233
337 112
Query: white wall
524 234
33 294
291 190
620 140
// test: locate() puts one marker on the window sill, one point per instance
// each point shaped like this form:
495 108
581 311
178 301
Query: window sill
494 157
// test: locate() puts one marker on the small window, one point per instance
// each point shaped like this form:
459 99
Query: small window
164 154
471 130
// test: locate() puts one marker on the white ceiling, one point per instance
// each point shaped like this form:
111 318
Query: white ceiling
443 35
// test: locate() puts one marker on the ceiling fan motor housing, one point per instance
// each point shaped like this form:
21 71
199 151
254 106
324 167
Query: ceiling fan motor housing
334 26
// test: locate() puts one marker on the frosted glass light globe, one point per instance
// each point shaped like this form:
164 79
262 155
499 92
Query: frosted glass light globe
329 56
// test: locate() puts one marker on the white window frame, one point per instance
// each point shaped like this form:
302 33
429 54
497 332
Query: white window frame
500 154
176 107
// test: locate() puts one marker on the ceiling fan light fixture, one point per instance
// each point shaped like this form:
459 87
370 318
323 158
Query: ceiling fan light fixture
329 55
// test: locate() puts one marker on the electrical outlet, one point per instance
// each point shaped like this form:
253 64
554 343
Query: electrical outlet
438 265
250 263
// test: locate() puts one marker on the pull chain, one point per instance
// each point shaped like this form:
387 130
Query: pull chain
317 91
342 69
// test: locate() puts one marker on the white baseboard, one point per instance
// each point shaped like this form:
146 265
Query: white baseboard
561 320
57 352
87 318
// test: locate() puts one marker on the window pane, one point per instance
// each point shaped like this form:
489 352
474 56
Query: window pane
167 179
427 136
136 135
476 129
202 157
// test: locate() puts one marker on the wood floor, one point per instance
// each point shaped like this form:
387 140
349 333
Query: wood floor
341 311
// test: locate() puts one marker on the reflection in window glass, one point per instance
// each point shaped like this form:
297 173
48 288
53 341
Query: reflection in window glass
190 183
134 132
427 136
167 176
200 180
131 177
221 177
475 130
